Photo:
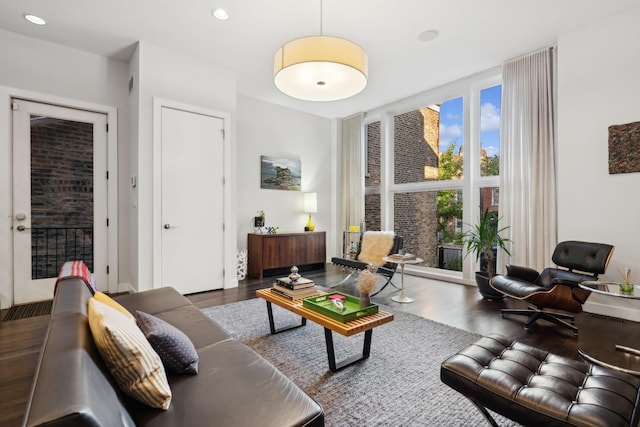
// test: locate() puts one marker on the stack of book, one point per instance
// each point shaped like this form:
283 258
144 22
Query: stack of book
301 288
402 257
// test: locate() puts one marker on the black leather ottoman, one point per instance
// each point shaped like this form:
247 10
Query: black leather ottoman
534 387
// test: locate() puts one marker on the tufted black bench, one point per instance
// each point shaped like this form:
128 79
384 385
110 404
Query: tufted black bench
534 387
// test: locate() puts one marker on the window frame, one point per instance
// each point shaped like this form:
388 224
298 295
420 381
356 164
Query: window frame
469 89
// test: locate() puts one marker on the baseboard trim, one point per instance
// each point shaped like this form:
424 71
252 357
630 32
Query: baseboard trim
609 309
122 288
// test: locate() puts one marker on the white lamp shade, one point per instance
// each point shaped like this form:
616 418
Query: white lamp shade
320 68
310 202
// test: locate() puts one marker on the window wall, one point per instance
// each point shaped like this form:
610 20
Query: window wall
431 170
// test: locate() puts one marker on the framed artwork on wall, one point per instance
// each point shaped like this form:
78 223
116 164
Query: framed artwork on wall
280 174
624 148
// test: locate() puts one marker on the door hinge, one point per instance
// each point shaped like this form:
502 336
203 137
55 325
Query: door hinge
223 225
224 135
15 106
107 127
107 174
107 222
107 269
223 272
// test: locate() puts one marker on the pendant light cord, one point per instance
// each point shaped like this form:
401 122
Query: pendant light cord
321 18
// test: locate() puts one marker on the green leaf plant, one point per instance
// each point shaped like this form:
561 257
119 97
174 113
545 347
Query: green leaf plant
483 237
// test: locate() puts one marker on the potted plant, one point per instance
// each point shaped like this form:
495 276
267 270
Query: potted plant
483 240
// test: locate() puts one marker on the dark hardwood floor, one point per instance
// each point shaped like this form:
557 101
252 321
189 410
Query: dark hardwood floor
452 304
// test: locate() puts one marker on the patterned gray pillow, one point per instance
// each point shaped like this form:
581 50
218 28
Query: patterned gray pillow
175 349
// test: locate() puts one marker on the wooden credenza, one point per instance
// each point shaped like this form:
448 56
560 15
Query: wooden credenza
272 254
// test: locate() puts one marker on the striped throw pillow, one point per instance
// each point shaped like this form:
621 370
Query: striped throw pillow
135 366
110 301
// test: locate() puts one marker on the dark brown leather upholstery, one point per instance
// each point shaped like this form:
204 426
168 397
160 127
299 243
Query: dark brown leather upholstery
387 270
234 386
556 288
537 388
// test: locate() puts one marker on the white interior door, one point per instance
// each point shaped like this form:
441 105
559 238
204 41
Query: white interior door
59 195
192 174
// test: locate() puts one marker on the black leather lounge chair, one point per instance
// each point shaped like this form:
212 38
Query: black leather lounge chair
386 270
555 288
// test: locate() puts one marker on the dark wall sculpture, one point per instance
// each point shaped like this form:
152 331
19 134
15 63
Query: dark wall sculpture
624 148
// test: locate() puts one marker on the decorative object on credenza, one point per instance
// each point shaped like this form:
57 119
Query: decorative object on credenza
241 264
624 148
280 174
272 230
481 240
258 221
366 282
310 206
626 287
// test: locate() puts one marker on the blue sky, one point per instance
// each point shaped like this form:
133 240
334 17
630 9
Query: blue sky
451 128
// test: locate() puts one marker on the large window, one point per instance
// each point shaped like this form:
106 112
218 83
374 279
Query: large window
427 147
372 210
440 170
490 131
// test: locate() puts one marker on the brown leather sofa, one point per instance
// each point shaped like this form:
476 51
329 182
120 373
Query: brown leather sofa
234 387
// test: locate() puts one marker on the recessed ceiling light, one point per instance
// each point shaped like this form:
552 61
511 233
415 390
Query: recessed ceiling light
428 35
220 14
34 19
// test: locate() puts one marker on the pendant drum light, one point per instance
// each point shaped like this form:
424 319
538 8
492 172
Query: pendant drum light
320 68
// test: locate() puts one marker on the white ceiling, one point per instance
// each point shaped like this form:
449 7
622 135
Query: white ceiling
475 35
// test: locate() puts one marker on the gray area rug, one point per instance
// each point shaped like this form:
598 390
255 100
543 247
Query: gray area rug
399 385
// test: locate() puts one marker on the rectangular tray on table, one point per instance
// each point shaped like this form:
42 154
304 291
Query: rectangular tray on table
323 305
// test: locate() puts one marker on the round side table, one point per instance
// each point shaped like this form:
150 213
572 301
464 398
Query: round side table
402 298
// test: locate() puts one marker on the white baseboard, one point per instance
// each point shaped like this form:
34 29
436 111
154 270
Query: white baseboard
622 310
123 287
231 283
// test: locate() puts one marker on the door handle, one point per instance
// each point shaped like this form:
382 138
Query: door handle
168 226
22 228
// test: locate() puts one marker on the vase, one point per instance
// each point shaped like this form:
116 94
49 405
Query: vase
626 288
487 292
365 301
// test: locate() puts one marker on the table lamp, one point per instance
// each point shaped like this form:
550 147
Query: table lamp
310 206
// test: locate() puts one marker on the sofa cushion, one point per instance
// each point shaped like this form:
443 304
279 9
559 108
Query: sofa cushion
175 349
164 299
170 306
133 363
235 387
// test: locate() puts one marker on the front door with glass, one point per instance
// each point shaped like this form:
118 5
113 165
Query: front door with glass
59 195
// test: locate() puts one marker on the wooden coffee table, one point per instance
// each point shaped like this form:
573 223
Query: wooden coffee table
363 324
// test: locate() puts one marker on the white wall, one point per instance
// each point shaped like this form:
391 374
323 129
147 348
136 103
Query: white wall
599 86
165 74
54 71
265 129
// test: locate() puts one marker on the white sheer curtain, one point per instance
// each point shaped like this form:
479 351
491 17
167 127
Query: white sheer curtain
352 174
527 160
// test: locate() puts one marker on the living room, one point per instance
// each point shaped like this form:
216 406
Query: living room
596 87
